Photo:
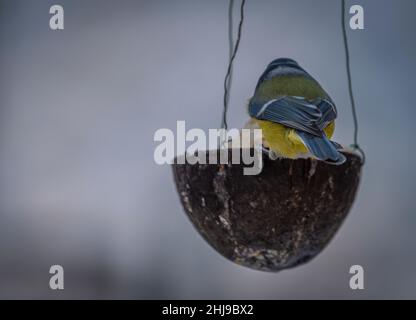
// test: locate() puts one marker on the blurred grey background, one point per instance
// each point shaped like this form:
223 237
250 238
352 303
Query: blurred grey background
79 107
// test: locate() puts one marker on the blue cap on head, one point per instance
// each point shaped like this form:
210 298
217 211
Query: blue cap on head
283 62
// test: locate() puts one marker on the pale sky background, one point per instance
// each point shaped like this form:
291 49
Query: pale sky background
79 107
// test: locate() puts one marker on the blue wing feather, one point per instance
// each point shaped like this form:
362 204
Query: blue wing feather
328 110
293 112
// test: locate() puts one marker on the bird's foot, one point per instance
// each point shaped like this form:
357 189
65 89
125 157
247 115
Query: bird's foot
270 153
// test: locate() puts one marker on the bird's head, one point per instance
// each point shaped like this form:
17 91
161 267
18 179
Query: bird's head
279 67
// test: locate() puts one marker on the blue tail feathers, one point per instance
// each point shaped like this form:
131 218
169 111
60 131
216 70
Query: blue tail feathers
322 148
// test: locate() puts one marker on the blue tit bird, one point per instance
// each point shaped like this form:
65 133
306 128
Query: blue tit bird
296 115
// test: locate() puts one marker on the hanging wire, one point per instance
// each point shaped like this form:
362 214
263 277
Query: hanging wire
228 76
230 46
355 146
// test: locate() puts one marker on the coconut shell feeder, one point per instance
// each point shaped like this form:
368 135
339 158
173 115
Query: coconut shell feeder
278 219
